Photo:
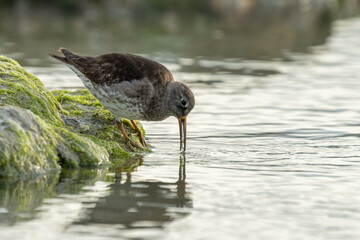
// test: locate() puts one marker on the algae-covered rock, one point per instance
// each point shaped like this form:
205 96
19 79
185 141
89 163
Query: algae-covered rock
21 88
78 151
27 143
87 117
61 129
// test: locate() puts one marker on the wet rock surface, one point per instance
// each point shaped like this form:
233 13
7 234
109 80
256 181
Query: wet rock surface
43 131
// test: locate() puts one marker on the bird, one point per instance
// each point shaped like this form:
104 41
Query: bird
133 87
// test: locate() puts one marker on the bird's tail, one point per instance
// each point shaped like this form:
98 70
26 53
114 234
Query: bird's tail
71 58
68 55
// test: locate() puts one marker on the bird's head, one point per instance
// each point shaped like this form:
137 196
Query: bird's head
179 102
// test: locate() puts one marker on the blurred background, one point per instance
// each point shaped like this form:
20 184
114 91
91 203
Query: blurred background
273 141
255 29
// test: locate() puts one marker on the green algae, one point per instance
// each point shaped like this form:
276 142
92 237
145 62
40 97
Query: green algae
77 151
25 90
72 128
116 150
27 143
89 118
81 96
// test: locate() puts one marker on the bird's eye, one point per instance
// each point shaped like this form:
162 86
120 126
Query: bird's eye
183 102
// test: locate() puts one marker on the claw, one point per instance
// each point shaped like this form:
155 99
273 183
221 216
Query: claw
133 144
130 143
139 133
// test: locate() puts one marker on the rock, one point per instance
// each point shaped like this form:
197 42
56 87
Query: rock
27 143
42 132
87 117
23 89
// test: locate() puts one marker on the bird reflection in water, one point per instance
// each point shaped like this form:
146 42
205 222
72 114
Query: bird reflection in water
142 204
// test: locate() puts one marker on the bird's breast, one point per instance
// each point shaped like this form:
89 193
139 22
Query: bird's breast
119 103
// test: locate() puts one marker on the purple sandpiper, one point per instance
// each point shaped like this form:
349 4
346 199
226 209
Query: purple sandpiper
133 87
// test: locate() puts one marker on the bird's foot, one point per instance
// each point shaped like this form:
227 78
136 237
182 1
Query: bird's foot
133 144
141 138
129 142
139 133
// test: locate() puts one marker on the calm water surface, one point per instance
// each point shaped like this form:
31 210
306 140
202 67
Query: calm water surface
273 153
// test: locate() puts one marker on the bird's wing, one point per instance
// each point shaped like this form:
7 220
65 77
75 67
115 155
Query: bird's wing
122 72
117 68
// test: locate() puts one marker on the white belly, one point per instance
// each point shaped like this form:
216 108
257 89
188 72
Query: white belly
119 104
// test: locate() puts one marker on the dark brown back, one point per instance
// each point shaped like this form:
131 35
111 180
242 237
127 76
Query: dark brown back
116 67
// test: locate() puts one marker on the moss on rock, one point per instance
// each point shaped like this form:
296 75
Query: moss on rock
62 128
87 117
79 151
21 88
27 143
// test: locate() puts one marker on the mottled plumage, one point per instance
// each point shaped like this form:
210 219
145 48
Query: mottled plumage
132 86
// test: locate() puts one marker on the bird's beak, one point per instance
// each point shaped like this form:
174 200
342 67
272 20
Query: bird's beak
182 128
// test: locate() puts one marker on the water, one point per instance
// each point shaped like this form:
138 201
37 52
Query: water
273 153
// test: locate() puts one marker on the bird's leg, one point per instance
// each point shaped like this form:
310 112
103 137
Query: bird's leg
140 134
131 143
